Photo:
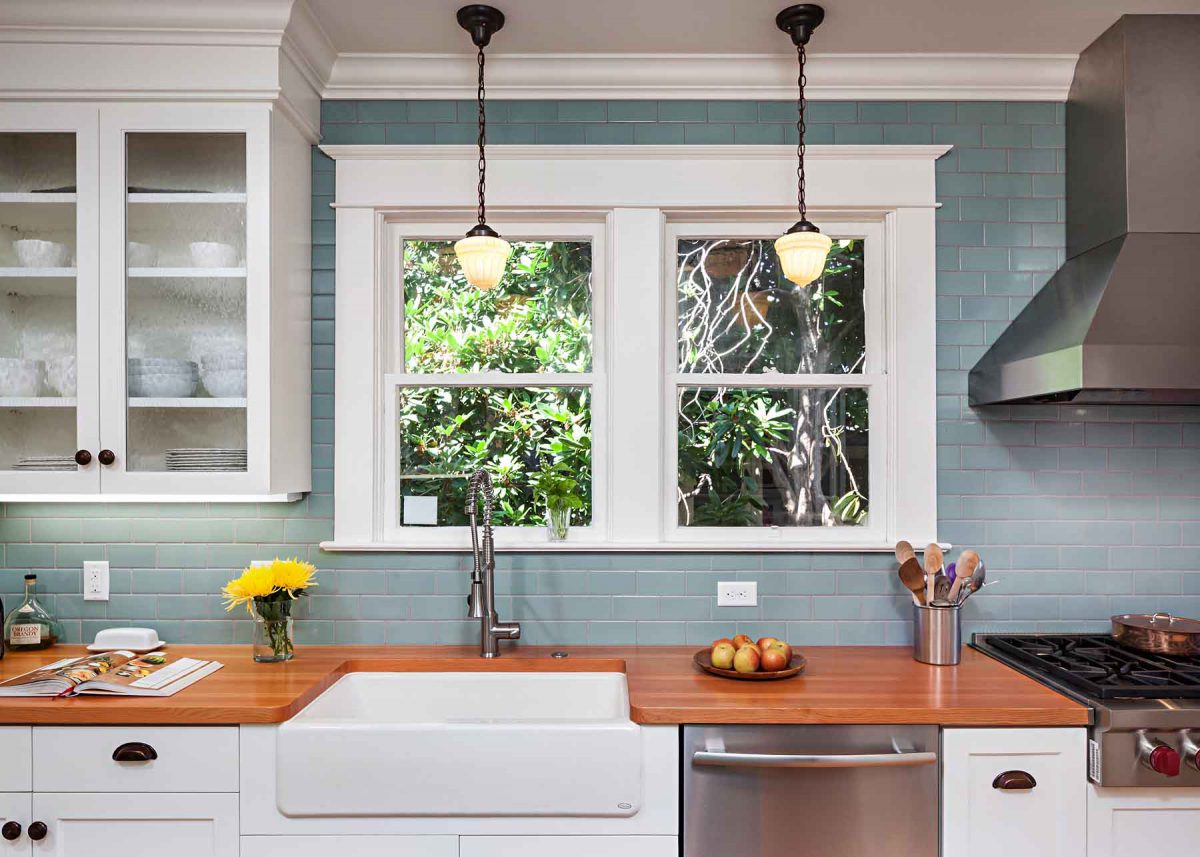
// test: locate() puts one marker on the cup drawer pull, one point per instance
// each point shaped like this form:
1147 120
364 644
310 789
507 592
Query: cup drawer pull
1014 781
134 751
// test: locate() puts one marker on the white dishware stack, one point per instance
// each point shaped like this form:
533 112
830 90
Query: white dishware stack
21 378
141 255
213 254
224 374
35 253
41 463
216 459
162 377
61 375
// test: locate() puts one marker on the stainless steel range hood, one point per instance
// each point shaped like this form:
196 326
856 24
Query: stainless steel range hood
1120 321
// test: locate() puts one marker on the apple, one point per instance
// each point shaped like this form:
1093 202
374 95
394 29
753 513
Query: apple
722 656
773 661
741 640
764 643
725 640
746 660
781 646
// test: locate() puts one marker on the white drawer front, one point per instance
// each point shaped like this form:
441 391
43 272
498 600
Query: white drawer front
575 846
189 759
16 762
350 846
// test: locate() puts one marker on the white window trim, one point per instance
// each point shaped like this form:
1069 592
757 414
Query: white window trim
640 192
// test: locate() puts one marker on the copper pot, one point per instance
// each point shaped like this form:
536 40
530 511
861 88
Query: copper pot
1160 633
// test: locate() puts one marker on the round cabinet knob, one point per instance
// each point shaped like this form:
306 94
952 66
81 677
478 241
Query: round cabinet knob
107 457
83 458
11 830
37 831
1165 761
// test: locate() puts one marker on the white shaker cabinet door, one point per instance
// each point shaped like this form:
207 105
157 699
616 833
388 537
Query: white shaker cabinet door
1133 821
14 822
126 824
1014 791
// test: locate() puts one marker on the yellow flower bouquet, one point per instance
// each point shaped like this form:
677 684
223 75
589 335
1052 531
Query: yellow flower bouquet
268 591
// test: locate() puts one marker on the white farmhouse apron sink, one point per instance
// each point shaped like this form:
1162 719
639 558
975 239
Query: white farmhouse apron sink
463 744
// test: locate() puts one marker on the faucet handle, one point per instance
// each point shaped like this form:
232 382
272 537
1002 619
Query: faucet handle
507 630
475 601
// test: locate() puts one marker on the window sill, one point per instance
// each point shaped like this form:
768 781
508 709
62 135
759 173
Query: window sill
620 547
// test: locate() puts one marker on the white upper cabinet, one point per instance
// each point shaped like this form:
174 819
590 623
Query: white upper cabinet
154 340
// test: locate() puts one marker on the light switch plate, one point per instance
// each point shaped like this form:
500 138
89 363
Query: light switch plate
741 593
95 581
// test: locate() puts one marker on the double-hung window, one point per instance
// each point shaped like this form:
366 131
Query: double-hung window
643 343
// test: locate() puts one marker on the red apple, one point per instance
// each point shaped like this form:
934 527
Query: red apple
722 640
764 643
781 646
722 656
773 661
741 640
746 660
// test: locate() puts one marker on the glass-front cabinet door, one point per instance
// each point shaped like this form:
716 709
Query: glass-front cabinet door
48 300
184 281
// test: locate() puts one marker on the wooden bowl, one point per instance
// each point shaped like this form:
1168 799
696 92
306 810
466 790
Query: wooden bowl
703 659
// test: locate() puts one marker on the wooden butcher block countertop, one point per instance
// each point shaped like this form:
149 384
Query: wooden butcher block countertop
842 684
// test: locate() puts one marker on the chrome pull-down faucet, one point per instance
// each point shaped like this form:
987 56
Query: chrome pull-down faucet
481 603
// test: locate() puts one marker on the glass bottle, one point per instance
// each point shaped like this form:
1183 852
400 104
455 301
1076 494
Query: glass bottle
30 625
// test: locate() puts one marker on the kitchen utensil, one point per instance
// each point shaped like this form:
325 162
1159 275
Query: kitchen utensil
141 255
213 254
937 634
703 659
941 589
933 564
904 552
952 571
976 582
913 579
35 253
1160 633
20 377
970 562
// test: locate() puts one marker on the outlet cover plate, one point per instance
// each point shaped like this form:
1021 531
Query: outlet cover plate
740 593
95 581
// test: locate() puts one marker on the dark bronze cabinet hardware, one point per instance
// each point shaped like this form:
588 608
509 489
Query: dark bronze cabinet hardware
38 831
11 830
83 458
107 457
134 751
1014 781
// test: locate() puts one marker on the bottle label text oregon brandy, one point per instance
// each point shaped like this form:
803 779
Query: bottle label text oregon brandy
30 625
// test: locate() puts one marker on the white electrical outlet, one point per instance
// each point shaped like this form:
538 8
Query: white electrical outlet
95 581
742 593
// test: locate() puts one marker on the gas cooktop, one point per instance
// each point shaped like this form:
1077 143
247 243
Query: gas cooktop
1097 666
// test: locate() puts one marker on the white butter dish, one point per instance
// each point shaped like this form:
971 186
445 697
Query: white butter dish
136 640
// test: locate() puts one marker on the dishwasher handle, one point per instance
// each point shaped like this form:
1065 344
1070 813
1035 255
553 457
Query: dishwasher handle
774 760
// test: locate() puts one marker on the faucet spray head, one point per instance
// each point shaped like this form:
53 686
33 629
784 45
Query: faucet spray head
475 601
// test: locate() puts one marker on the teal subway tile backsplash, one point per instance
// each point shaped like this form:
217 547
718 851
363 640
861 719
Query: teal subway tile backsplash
1082 512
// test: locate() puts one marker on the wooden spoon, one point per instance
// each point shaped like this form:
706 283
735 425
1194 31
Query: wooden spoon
963 571
904 552
913 579
933 564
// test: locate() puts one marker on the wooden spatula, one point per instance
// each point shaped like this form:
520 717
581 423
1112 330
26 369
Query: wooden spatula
933 564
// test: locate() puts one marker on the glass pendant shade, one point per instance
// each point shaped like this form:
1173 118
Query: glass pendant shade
802 255
483 258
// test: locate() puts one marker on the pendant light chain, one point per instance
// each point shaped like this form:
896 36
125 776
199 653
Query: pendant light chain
801 103
480 95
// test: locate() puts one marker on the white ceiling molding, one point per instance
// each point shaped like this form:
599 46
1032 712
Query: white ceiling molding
925 77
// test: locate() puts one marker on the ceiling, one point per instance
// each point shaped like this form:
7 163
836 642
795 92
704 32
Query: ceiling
733 26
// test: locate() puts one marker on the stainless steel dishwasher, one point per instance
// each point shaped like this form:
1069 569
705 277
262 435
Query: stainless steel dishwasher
820 791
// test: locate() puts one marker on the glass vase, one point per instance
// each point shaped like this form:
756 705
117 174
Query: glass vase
558 521
273 631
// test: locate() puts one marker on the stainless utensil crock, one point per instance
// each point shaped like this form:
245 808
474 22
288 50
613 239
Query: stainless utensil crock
937 635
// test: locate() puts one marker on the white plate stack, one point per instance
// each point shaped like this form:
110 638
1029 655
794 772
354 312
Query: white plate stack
222 460
45 462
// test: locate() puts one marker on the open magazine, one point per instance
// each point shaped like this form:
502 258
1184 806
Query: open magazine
111 673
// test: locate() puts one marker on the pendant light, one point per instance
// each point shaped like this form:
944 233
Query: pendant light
803 248
482 253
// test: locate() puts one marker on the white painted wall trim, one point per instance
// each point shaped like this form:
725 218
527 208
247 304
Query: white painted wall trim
924 77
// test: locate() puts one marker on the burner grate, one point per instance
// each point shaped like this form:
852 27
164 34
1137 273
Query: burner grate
1101 667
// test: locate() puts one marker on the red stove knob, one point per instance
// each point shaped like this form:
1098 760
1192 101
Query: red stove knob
1165 761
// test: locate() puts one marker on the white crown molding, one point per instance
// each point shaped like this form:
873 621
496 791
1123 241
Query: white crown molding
619 153
306 44
1019 77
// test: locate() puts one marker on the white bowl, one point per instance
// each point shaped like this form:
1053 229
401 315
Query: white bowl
35 253
162 386
162 366
223 362
213 254
225 383
141 255
61 375
20 377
